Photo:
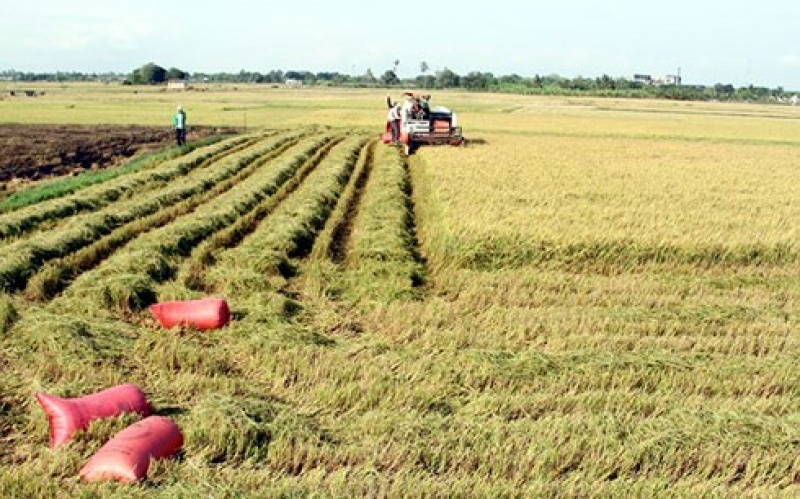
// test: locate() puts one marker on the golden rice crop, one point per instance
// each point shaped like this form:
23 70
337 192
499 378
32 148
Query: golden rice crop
704 199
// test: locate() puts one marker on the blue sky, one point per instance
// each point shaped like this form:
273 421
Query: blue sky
733 41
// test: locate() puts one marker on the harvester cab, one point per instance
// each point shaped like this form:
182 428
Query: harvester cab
421 125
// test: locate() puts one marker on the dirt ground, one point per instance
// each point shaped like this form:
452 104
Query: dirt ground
34 152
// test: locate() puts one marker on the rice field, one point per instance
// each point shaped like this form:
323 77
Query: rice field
591 298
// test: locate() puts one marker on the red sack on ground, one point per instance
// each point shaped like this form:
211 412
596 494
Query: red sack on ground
210 313
67 415
126 457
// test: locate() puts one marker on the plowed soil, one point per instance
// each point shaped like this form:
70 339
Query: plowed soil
33 152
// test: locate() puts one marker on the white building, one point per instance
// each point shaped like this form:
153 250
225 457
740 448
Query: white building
647 79
177 84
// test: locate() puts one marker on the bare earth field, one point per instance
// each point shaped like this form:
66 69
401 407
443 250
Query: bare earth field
35 152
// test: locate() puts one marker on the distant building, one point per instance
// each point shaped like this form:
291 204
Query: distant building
177 84
646 79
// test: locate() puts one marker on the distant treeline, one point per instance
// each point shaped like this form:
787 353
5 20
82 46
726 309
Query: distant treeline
604 86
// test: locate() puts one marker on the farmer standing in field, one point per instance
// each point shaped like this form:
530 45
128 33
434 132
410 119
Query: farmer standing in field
179 124
393 118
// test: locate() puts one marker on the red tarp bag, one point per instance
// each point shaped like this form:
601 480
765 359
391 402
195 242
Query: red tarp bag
126 457
210 313
67 415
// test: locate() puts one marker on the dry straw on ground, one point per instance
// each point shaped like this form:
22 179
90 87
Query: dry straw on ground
590 298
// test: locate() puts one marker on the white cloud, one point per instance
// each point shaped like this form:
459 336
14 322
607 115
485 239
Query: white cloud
790 60
100 36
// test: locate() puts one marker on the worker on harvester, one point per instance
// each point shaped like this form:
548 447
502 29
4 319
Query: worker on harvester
425 107
409 108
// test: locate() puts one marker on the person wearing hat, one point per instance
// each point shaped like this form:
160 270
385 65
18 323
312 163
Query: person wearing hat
179 124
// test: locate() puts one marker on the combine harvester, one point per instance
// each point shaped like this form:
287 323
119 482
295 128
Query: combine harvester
437 126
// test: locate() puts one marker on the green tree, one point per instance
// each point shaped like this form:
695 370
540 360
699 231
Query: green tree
176 74
447 79
605 82
512 79
724 91
476 80
149 74
423 68
426 81
390 78
274 76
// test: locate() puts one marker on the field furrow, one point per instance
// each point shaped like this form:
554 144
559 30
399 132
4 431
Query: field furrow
25 256
191 272
126 280
383 256
334 241
290 230
55 275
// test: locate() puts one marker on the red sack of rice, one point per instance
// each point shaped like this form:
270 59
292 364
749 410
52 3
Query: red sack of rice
67 415
126 457
209 313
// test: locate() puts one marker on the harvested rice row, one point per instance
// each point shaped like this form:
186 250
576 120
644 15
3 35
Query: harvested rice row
290 230
23 257
331 243
96 197
383 255
322 270
125 282
191 271
57 274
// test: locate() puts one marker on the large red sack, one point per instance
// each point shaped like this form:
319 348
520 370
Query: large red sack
67 415
126 457
210 313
